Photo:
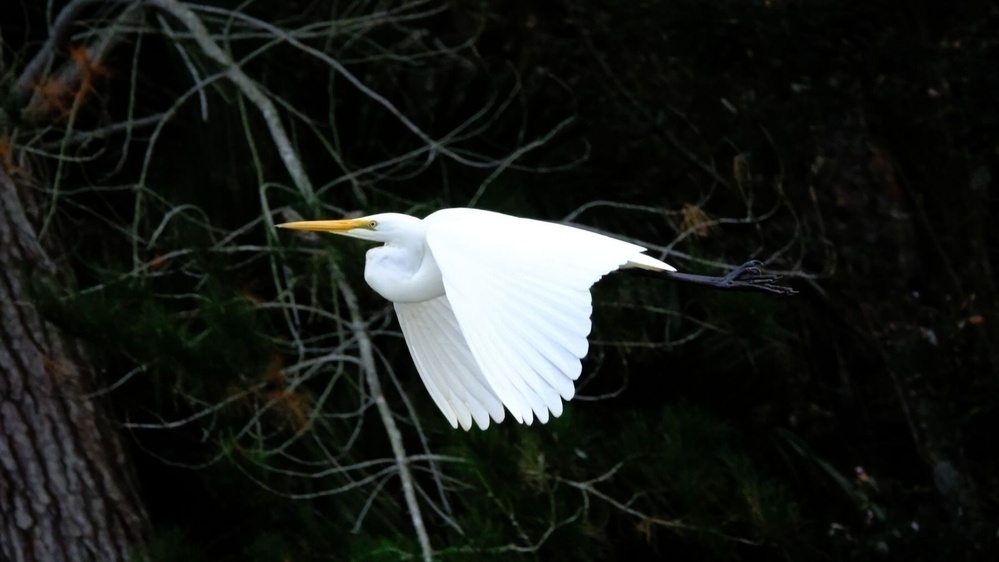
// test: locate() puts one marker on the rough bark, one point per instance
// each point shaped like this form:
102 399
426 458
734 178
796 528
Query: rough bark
66 491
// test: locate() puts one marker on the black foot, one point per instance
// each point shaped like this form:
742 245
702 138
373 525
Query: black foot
751 275
748 276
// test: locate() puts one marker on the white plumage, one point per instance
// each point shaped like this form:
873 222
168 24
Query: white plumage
495 309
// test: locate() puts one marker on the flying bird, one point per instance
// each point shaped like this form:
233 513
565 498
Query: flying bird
495 309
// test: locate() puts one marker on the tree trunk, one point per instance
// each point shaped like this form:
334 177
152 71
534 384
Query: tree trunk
66 491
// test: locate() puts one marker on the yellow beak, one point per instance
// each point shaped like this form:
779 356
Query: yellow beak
329 226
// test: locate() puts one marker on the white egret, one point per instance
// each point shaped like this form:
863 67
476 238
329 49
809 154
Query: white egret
495 309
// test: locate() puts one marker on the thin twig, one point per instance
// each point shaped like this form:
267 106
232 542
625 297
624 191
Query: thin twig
46 54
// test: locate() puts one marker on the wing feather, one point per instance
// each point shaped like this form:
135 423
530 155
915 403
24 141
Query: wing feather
555 350
446 365
513 391
520 291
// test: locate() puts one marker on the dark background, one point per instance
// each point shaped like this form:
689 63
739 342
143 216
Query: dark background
851 145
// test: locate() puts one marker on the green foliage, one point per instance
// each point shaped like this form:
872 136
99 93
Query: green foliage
170 545
222 338
686 483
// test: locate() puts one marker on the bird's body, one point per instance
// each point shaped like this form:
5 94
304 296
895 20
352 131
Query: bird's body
495 309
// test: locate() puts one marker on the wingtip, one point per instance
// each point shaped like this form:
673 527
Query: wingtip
645 261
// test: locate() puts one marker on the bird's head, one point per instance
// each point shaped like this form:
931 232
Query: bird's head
384 227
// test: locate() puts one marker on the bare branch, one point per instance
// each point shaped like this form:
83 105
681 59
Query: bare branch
358 326
249 88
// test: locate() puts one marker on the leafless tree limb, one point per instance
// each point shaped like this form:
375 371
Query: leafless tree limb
358 325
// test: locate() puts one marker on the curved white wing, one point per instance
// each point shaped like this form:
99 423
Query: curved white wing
446 365
520 290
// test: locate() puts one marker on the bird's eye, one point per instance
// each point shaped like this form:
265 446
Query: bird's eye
372 224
